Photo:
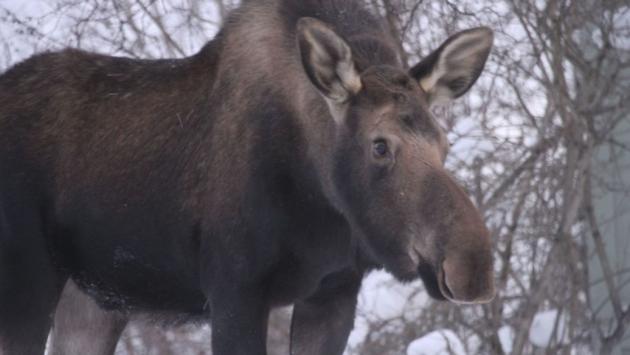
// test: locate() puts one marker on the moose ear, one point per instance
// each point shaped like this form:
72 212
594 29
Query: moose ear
327 60
452 69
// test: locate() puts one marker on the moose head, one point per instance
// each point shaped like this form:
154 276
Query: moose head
388 152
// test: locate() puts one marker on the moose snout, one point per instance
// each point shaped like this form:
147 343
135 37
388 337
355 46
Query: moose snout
464 264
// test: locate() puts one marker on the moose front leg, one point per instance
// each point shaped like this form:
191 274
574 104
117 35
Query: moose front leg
239 323
322 323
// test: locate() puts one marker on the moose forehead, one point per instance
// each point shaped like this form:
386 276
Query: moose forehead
394 98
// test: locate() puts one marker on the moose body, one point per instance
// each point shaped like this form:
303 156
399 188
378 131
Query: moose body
274 167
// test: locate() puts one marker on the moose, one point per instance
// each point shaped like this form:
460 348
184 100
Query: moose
288 157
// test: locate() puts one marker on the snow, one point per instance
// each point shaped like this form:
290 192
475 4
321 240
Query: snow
439 342
542 328
383 297
506 338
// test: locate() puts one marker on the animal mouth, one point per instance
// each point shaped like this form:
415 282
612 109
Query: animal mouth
443 286
432 284
434 279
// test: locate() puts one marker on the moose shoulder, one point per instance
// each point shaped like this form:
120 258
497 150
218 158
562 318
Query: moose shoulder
276 166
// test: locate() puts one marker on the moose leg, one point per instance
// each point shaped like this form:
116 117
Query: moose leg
322 323
29 283
239 323
82 327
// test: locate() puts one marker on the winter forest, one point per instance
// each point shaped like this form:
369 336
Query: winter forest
541 143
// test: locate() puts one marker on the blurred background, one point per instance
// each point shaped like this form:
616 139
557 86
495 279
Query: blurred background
542 143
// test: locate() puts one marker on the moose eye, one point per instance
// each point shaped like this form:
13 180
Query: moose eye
380 148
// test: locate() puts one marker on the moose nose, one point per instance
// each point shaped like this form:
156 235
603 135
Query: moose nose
465 266
467 279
